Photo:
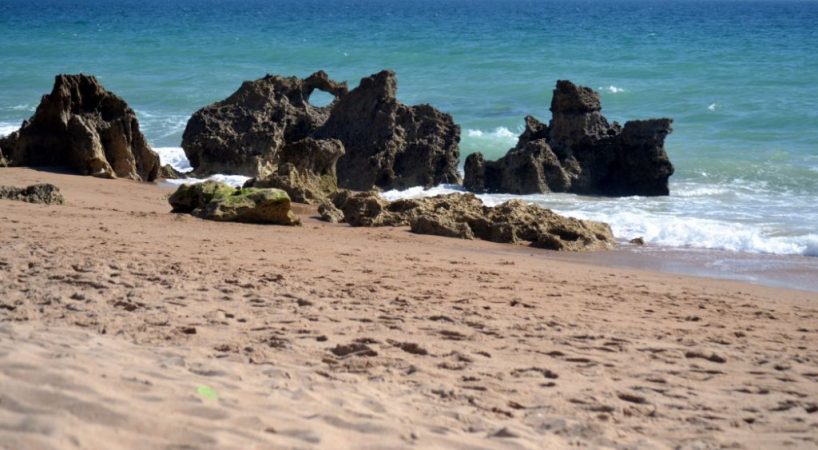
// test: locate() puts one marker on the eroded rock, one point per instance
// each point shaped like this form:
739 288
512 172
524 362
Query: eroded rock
387 144
213 200
38 193
579 151
306 170
85 128
390 145
244 133
465 216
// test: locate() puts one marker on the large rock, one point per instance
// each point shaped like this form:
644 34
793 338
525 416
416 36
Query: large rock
85 128
244 133
306 170
213 200
465 216
579 152
387 144
37 193
390 145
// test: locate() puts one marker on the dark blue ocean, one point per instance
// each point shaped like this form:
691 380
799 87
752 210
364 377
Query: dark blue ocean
740 79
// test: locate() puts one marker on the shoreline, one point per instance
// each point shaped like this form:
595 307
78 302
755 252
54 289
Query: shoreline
326 335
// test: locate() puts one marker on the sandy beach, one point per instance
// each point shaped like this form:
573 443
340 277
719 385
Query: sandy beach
125 326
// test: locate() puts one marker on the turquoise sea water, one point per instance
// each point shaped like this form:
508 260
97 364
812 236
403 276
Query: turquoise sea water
740 79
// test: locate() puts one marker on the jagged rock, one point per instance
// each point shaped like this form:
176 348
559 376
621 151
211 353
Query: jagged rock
218 201
464 216
169 173
38 193
367 209
82 126
579 152
388 144
329 212
244 133
306 170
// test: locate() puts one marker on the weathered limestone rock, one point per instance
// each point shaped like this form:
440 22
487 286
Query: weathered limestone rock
38 193
579 152
306 170
213 200
244 133
169 173
464 216
388 144
85 128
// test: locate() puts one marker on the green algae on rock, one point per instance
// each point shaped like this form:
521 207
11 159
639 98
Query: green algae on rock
218 201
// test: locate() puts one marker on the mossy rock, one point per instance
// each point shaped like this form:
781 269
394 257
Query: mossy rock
251 205
189 197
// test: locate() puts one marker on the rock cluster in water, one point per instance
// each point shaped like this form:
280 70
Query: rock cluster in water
578 152
85 128
213 200
385 144
465 216
37 193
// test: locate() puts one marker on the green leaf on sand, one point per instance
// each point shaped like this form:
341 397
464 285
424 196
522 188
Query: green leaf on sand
207 392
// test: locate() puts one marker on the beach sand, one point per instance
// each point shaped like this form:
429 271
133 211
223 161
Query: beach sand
125 326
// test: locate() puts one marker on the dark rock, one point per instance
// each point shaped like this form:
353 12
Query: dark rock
579 152
388 144
218 201
329 212
82 126
37 193
244 133
464 216
637 241
306 170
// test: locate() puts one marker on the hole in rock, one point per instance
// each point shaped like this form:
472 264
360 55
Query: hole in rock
320 98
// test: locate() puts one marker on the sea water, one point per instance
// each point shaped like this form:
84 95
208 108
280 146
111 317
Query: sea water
739 78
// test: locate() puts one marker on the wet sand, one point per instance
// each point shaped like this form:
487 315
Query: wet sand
124 326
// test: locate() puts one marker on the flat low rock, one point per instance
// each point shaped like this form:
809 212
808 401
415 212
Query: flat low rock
465 216
37 193
85 128
217 201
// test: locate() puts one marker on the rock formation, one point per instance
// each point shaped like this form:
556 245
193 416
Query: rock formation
464 216
386 144
213 200
169 173
579 152
37 193
85 128
306 170
244 133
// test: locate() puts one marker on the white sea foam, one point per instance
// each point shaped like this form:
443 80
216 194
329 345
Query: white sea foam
6 128
232 180
174 156
613 89
177 159
712 107
499 132
420 192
